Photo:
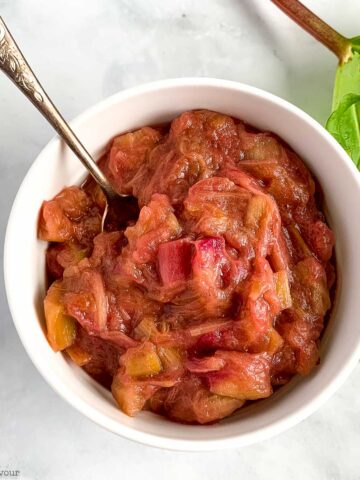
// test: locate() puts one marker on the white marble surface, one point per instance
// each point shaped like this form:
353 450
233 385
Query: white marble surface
85 50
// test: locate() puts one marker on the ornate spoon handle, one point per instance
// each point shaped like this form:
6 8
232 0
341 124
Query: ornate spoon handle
14 65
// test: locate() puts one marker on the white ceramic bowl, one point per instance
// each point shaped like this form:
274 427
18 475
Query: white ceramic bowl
56 167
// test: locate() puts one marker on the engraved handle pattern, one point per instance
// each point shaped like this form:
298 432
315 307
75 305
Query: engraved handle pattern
14 65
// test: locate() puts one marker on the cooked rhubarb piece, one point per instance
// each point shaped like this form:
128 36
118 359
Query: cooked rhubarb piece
215 276
205 364
78 355
190 402
62 255
275 342
127 154
85 297
141 361
283 365
209 287
71 215
216 206
320 239
301 326
245 376
156 224
131 397
61 328
54 225
172 358
197 146
174 261
279 169
282 289
260 304
102 357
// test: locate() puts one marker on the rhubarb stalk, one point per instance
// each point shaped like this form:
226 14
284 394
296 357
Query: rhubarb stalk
319 29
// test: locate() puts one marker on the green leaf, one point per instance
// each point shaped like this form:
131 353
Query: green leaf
347 79
344 124
355 43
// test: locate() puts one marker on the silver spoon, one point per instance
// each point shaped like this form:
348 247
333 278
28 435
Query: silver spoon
14 65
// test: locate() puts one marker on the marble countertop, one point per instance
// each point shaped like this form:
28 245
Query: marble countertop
83 51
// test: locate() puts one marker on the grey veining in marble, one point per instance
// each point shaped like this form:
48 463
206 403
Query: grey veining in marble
83 51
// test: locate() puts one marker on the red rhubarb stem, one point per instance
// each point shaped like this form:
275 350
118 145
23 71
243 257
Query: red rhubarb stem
319 29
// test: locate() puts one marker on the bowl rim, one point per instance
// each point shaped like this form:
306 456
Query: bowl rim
232 441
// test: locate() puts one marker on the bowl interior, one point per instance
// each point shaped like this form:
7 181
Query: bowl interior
56 167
